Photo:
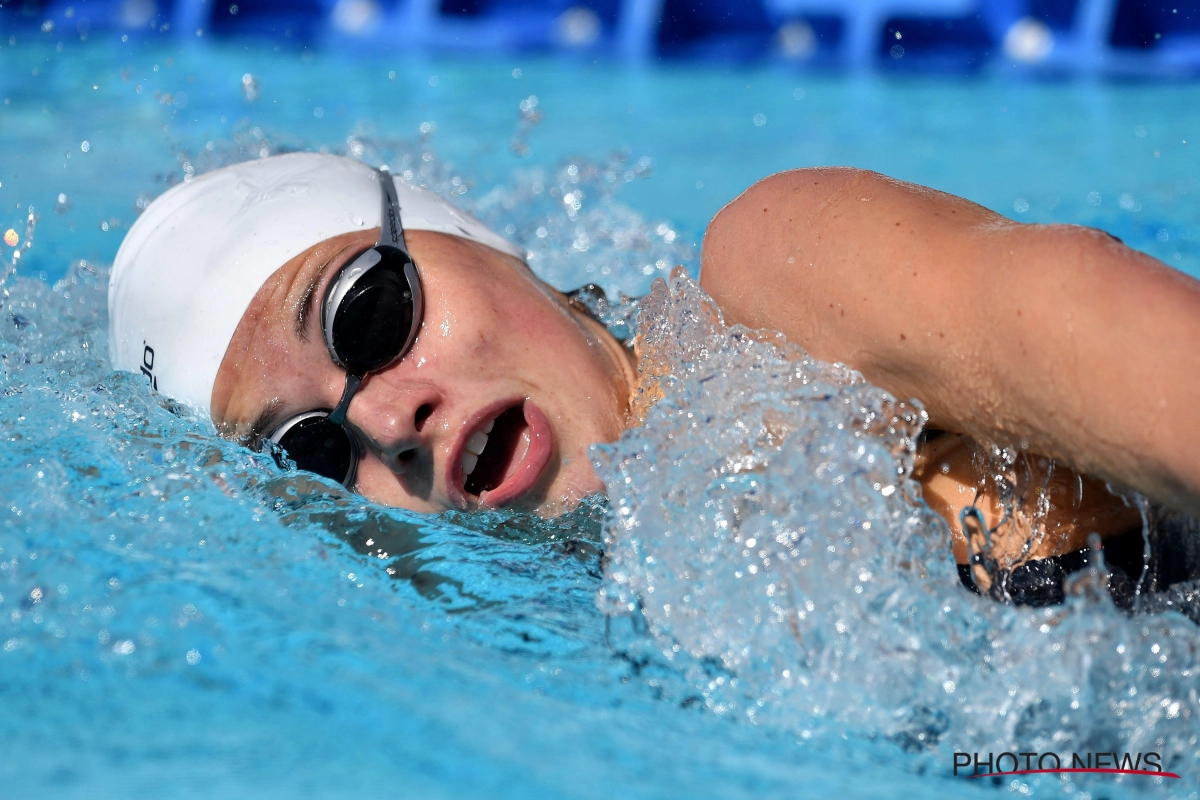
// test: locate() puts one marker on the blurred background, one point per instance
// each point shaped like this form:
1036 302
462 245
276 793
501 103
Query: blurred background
1125 37
602 136
1043 110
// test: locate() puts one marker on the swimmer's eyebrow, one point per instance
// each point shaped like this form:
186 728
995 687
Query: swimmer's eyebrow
259 427
306 307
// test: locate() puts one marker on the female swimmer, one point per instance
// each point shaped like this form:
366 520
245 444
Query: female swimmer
390 342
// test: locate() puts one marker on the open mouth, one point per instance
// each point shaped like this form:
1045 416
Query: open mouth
494 451
504 458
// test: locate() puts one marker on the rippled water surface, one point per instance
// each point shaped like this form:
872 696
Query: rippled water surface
761 607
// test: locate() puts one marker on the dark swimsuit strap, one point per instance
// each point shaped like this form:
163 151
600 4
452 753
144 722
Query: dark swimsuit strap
1041 582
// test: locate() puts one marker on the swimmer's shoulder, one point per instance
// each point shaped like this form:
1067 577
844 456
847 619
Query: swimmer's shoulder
829 217
802 246
749 242
786 199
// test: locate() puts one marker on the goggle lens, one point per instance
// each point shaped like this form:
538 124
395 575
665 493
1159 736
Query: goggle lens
373 324
317 445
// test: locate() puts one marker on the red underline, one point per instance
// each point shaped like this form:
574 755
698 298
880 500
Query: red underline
1042 771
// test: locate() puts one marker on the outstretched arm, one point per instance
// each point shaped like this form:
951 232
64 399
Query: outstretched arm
1057 338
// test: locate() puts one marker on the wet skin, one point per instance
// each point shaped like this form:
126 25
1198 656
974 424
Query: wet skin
494 338
1055 340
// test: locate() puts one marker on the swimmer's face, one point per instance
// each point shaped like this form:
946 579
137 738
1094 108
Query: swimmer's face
496 345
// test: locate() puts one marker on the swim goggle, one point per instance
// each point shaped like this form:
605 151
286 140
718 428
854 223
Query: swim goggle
370 316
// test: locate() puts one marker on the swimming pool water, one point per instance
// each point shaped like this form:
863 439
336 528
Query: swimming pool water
179 618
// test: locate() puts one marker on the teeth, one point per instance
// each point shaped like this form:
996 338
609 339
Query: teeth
477 442
475 446
469 460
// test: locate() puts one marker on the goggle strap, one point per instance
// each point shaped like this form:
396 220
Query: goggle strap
338 416
391 231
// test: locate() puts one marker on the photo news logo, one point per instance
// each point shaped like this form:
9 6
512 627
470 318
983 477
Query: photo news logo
971 765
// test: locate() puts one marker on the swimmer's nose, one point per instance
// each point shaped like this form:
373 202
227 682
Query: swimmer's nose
397 421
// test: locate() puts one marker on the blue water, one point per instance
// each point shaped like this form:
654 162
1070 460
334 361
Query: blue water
179 618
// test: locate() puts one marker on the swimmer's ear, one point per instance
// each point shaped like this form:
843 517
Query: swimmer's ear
589 299
618 319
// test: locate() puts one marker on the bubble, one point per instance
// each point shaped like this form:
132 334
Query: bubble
1093 198
355 17
897 51
796 40
10 238
193 657
1028 41
760 120
136 13
250 88
577 27
85 146
1020 205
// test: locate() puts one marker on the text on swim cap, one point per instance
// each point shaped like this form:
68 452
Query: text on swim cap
148 365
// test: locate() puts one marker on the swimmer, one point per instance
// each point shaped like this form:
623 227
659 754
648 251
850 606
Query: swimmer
390 342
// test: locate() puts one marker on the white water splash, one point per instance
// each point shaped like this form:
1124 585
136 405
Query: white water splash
764 523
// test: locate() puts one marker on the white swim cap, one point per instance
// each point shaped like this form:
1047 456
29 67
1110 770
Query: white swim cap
195 258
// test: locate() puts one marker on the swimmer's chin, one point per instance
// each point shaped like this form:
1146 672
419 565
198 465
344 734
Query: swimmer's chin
555 501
